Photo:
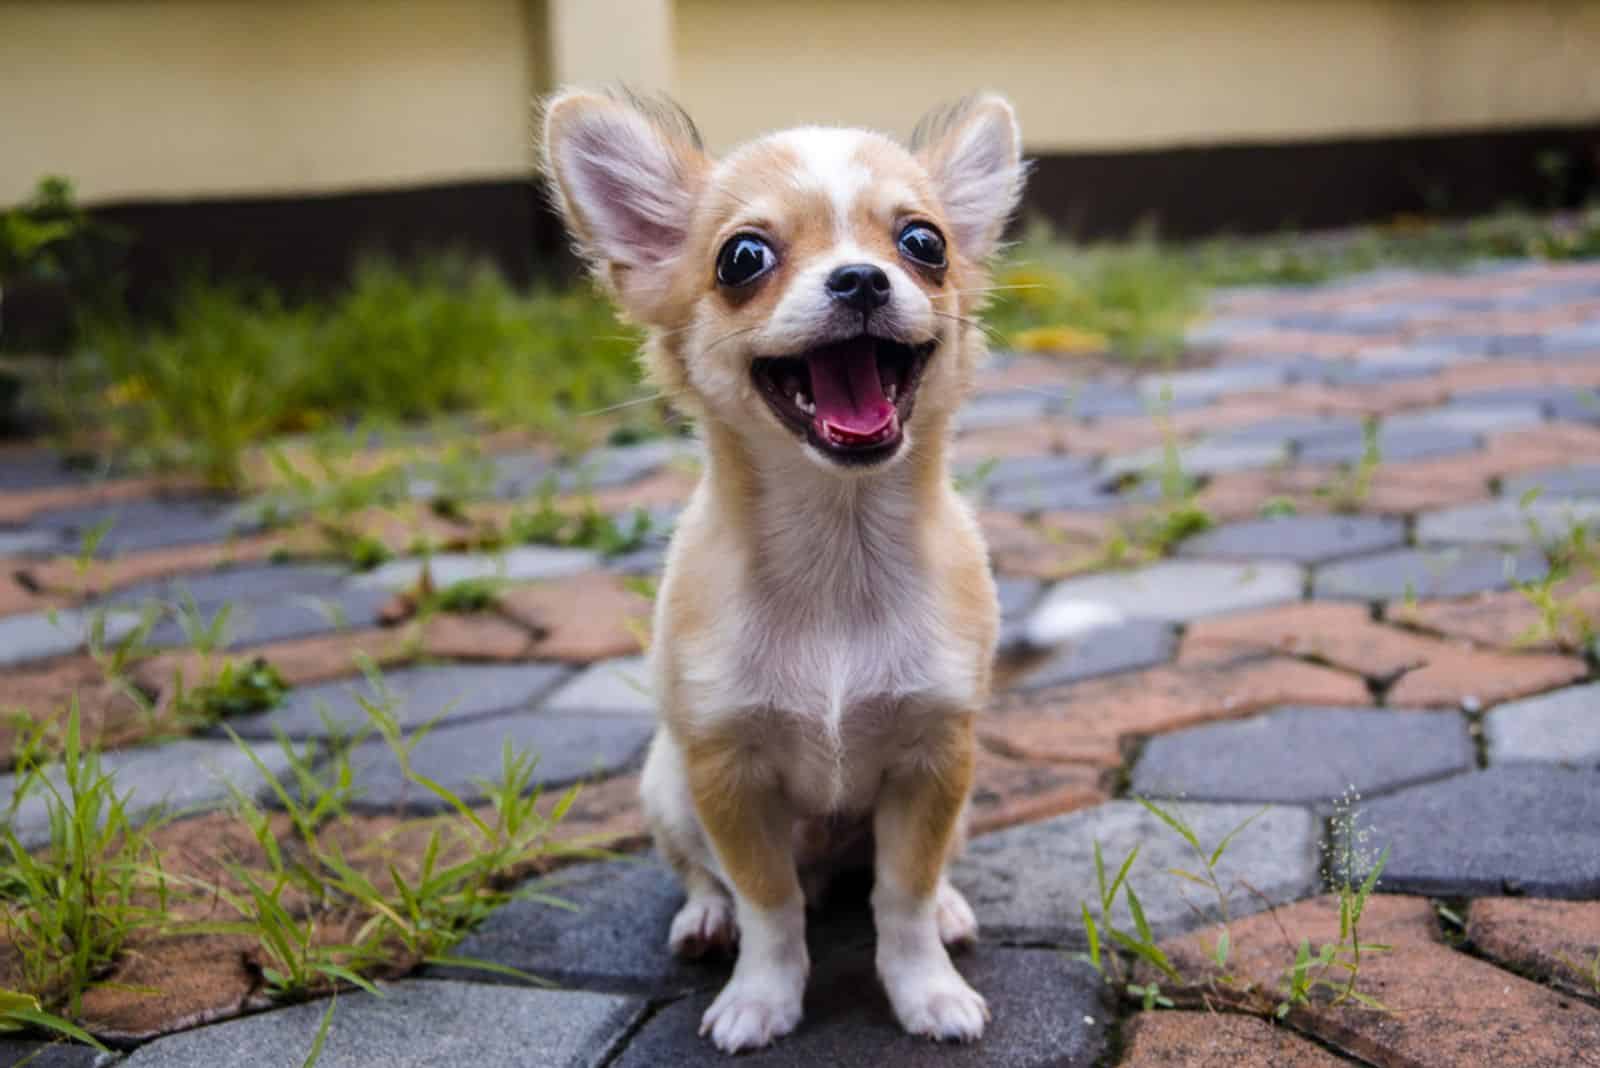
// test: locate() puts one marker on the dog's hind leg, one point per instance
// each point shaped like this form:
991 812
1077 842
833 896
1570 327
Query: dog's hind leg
705 924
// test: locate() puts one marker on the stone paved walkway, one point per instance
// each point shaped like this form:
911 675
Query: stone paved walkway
1343 624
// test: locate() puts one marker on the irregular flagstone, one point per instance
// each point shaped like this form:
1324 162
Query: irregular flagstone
1299 539
463 757
1028 884
1017 596
299 661
586 617
268 619
1558 727
474 636
1025 471
1509 829
1087 723
1304 756
522 564
1216 1040
1049 547
164 984
240 582
1173 590
1555 941
1432 572
1506 618
20 507
415 1024
36 635
1007 791
620 686
1470 419
1546 521
1447 1009
1420 671
1294 430
1209 383
414 696
1048 1010
1201 458
1004 409
188 774
21 542
107 716
1574 480
1106 650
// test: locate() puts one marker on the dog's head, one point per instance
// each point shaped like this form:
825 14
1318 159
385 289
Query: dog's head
814 288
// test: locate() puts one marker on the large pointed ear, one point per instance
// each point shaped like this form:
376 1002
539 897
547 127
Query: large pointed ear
625 172
973 151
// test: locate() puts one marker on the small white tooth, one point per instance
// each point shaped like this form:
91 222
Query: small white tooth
894 391
803 404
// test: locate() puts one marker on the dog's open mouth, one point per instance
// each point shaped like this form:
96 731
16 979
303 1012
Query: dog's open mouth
851 398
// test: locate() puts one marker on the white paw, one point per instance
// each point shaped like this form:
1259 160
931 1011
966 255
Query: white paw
957 925
940 1005
751 1012
704 925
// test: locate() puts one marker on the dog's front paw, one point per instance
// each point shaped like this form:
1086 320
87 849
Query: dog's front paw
939 1004
704 925
751 1012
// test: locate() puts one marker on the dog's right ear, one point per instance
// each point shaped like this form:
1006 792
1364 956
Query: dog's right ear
625 172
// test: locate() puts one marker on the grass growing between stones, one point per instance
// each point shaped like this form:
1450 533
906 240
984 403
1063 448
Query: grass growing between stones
1572 577
1156 533
1347 491
1330 972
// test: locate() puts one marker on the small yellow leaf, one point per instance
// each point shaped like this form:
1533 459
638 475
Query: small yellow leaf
1067 340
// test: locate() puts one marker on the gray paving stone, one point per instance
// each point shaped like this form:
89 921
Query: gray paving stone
1506 521
515 474
33 469
416 1024
1213 382
143 525
1430 572
188 774
1394 446
618 465
620 686
245 582
446 693
1172 590
1304 756
567 746
1025 471
1308 539
1562 726
614 938
1202 458
1513 829
1027 884
1584 337
24 542
1090 494
1545 398
1576 406
1471 419
525 563
1129 646
1006 408
19 1053
1220 332
1048 1011
1578 480
1017 597
274 619
1296 430
36 635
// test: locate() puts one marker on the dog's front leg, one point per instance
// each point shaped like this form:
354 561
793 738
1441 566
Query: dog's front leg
915 827
749 824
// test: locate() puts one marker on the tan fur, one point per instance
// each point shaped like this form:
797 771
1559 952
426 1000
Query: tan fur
823 634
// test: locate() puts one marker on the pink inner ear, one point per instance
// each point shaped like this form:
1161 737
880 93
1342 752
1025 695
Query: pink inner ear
629 188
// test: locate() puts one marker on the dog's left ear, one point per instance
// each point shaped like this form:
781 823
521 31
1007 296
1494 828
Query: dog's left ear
973 151
626 171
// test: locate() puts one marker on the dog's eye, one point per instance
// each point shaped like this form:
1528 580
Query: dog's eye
743 259
923 244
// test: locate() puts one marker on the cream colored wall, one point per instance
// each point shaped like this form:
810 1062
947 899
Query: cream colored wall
1121 74
184 98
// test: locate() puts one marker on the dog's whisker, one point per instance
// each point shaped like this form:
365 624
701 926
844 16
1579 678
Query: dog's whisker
631 403
730 336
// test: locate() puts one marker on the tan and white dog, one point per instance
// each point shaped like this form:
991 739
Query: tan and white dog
825 627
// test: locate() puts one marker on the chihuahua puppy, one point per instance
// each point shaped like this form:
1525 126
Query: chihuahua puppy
825 627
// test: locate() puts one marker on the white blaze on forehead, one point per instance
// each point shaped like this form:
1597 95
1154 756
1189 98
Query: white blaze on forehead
829 162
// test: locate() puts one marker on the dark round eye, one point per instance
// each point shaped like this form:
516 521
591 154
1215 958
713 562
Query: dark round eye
923 244
743 259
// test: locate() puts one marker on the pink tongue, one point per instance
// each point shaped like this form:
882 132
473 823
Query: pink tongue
846 390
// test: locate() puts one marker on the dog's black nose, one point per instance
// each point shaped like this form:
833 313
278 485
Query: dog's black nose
860 286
